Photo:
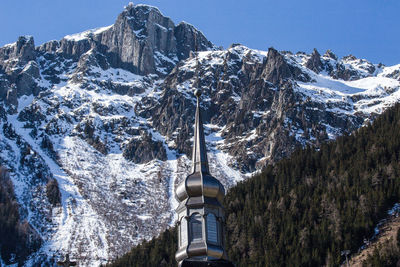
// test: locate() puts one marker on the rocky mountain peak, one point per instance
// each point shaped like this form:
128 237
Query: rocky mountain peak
278 71
23 50
131 8
142 40
109 114
190 39
276 68
20 71
349 57
330 54
314 63
145 41
145 21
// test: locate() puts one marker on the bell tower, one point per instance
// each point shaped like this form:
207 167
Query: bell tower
200 211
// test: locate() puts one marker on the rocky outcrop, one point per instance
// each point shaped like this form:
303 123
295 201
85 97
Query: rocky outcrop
278 71
109 129
145 41
348 68
266 108
314 63
49 47
144 149
142 40
4 86
27 80
188 38
137 34
343 73
23 50
20 71
329 54
72 49
395 74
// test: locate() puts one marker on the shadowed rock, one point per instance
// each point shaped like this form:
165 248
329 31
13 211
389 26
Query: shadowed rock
314 63
277 70
144 149
142 40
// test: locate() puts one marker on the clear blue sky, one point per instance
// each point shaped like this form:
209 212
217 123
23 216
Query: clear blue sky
365 28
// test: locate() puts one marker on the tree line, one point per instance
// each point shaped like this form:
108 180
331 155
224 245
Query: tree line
16 240
306 209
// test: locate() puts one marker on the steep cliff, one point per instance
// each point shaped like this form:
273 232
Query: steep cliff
108 113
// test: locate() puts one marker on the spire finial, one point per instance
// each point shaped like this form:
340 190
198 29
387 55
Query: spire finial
197 93
200 162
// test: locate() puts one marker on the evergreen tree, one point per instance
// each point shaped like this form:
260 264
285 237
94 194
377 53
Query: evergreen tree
306 209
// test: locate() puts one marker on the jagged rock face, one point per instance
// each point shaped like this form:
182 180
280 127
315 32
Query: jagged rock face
252 98
23 50
26 79
140 36
329 54
348 68
19 70
109 115
237 103
277 71
315 63
142 40
188 39
144 150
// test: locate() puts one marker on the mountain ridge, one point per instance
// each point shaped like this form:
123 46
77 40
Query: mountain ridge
108 114
308 208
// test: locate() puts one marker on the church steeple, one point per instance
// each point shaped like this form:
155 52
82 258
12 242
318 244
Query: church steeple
200 212
200 162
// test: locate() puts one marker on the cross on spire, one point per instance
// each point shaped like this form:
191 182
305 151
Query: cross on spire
200 162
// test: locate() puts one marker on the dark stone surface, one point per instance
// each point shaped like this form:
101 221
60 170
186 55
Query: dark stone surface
144 149
330 54
265 85
278 71
344 73
4 86
142 40
23 50
26 80
188 39
315 63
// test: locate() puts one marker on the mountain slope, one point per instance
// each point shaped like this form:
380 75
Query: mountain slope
108 114
307 208
383 249
18 238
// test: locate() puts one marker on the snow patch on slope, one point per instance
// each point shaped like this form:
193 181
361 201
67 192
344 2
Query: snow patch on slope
84 35
76 219
366 95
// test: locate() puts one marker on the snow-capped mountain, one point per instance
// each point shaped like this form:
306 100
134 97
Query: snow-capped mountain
108 113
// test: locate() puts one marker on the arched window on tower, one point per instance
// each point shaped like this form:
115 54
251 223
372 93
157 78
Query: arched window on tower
212 229
183 232
196 231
